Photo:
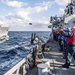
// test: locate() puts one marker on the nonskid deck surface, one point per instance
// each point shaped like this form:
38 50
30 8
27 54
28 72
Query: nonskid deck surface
56 62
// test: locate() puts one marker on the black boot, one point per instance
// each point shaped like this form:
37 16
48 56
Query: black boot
66 65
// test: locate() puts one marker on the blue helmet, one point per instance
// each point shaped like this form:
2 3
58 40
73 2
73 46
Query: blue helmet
67 28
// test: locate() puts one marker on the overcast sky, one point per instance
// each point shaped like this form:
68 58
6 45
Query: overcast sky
19 13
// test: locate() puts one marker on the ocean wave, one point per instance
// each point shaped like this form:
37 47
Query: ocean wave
16 48
11 62
11 52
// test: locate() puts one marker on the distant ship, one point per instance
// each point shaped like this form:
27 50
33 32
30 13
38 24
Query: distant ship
3 33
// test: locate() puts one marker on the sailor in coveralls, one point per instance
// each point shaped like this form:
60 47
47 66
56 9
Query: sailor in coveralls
70 48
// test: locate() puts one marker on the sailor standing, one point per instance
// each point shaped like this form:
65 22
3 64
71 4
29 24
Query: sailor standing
70 50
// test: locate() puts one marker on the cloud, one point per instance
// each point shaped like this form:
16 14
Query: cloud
38 9
43 21
23 17
51 3
20 18
18 22
46 4
25 13
61 2
61 10
13 3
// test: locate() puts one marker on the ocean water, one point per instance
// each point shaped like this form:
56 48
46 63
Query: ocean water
15 49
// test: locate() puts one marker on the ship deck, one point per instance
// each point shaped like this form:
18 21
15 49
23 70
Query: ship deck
56 62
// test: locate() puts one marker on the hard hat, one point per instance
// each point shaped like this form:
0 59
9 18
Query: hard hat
67 28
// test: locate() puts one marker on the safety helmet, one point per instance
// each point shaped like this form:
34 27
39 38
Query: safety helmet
73 28
67 28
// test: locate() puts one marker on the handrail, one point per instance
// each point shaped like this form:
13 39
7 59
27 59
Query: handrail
16 67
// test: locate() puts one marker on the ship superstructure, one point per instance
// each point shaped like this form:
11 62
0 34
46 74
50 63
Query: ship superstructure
67 20
69 14
3 33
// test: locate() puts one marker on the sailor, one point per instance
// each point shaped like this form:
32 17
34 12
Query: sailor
55 33
70 50
66 34
71 8
59 38
67 10
63 34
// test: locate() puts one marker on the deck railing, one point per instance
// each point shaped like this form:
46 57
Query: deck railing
15 70
22 64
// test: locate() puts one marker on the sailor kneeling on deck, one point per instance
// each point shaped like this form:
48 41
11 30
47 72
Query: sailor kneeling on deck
70 49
